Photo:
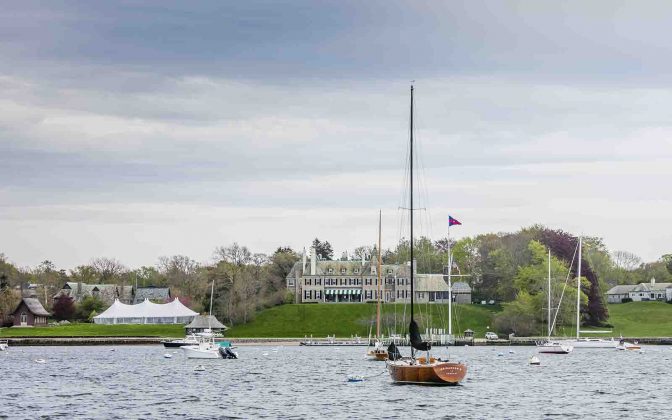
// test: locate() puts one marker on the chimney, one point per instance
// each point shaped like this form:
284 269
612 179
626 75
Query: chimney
653 281
415 266
363 258
304 260
313 261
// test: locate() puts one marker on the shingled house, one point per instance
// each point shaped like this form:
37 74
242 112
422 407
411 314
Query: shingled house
105 292
30 313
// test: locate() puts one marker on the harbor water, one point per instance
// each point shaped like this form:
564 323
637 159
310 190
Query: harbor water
108 382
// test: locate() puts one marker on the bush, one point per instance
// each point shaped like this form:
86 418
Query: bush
626 300
64 308
89 304
289 297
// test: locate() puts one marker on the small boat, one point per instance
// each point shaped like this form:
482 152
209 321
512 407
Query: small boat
4 345
41 361
355 378
534 360
625 345
190 340
378 352
168 356
199 368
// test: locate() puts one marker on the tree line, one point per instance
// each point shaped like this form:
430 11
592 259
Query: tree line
505 267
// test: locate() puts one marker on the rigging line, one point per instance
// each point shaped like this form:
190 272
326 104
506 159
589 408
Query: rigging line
569 272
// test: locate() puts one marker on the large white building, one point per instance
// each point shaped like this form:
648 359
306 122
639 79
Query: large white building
321 281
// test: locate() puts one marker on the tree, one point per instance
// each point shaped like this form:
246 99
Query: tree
89 305
323 249
234 254
108 269
625 260
181 271
667 259
84 274
64 308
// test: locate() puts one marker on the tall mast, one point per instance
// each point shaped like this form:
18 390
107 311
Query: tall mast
380 221
450 287
212 292
411 207
549 293
578 293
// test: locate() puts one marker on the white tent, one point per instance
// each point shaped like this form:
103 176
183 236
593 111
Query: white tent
146 313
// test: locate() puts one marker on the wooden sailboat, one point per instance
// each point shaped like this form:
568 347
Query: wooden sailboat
420 370
378 352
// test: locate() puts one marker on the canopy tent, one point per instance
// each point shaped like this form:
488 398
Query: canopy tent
146 313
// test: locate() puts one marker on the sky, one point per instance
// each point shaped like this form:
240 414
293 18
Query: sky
138 129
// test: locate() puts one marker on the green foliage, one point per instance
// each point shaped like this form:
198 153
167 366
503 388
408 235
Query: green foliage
323 249
88 305
64 308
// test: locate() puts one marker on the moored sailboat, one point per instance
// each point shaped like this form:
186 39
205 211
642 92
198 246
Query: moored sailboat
378 352
420 370
549 346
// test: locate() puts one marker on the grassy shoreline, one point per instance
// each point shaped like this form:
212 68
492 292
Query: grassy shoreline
635 319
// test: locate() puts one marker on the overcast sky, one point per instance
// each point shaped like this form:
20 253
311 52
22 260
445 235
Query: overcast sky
140 129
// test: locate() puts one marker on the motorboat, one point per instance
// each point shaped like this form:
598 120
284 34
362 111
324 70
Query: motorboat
207 348
4 345
591 343
378 352
189 340
625 345
534 360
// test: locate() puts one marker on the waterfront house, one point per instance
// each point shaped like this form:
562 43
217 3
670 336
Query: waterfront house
30 313
322 281
640 292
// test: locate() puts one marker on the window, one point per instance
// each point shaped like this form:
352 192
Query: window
342 270
24 318
389 271
367 282
331 271
290 283
356 270
308 282
373 270
318 294
318 282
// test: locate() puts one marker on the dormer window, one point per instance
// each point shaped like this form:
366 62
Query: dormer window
389 271
356 270
331 271
373 270
342 270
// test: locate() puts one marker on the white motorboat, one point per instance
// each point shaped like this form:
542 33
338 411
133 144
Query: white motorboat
626 345
206 348
534 360
591 343
4 345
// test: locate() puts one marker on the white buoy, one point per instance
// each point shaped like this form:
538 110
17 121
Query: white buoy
113 349
167 355
199 368
534 360
500 354
40 361
265 353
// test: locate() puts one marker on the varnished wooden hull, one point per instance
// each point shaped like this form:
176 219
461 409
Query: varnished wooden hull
434 373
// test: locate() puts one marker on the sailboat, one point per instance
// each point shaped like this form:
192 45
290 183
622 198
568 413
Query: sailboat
587 343
420 370
378 352
549 346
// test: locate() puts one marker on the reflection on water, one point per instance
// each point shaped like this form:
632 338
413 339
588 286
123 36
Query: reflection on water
302 382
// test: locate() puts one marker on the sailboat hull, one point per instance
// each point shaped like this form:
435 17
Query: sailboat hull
592 343
434 373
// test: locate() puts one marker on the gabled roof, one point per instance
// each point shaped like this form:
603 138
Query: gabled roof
206 321
621 289
34 306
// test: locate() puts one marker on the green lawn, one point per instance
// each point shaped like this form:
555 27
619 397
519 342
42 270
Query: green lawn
345 320
641 319
96 330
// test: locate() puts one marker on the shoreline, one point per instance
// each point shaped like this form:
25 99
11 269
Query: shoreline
265 341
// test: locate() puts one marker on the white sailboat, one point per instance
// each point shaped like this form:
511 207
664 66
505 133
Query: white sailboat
552 346
586 343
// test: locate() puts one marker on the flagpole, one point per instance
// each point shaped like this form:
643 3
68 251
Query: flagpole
450 285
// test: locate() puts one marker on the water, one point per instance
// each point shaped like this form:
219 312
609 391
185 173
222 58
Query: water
311 382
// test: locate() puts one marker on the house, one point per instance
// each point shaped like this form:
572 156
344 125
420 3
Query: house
649 291
30 313
153 293
640 292
357 281
617 293
105 292
203 322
